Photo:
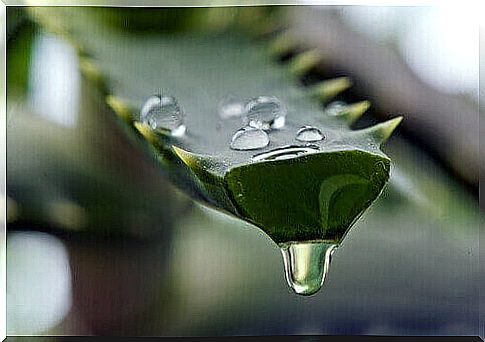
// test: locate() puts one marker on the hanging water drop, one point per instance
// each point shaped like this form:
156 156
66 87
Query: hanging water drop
309 134
163 112
265 112
249 138
231 107
306 265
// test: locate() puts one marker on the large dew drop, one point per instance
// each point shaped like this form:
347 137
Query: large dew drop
165 113
307 265
265 112
249 138
309 134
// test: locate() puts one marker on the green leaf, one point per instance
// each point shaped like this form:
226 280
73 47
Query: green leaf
292 190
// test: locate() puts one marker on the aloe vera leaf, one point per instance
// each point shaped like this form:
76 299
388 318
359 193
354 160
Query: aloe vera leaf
288 198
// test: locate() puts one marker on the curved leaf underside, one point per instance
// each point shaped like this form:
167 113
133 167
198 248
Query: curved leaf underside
315 195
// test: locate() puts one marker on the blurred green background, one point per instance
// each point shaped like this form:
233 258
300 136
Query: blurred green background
100 243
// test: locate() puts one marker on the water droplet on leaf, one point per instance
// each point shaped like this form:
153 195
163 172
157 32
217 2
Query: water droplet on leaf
309 134
307 265
265 112
163 112
336 108
249 138
231 107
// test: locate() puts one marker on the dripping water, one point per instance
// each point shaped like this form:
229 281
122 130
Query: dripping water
307 265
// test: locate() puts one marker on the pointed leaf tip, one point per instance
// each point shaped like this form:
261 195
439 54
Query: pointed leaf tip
282 44
187 157
92 71
192 159
328 89
119 107
202 165
89 67
147 132
383 131
303 62
389 126
355 111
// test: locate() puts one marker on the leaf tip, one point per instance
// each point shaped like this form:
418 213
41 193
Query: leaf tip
146 132
304 62
356 110
390 125
120 107
383 131
328 89
89 67
282 44
185 156
91 70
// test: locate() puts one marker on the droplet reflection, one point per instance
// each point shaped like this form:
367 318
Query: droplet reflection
285 152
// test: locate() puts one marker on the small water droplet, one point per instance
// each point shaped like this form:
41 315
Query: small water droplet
307 265
249 138
232 107
265 112
163 112
286 152
336 108
309 134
